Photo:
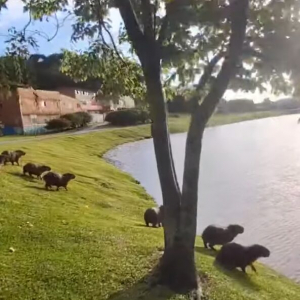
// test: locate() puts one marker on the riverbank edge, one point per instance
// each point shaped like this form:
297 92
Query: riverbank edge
208 289
91 242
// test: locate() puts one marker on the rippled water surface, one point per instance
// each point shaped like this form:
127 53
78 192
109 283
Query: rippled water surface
250 175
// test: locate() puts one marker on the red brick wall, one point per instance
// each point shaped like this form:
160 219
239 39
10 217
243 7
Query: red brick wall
10 114
69 105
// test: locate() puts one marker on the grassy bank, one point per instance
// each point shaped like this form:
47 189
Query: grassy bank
90 242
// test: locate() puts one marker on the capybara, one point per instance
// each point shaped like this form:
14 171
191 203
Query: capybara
58 180
35 169
13 156
213 235
234 255
154 216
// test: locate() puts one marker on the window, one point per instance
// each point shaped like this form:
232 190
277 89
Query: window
43 104
33 119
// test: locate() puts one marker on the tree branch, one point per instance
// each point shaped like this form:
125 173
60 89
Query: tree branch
163 30
147 18
208 71
238 18
131 24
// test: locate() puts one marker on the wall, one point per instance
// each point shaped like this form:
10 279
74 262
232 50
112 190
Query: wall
69 105
10 115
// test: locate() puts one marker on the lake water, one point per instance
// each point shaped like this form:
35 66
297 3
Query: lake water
249 175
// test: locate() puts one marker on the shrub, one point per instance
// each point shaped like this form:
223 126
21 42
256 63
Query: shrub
78 119
58 124
127 117
85 118
73 118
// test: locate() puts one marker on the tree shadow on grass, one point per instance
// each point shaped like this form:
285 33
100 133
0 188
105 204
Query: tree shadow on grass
205 251
24 177
240 277
144 289
41 188
144 226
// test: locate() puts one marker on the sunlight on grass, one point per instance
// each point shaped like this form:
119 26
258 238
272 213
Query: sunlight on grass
91 242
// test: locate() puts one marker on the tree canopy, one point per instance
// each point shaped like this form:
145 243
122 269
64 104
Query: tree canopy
208 46
192 35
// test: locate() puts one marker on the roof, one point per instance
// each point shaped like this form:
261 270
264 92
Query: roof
30 93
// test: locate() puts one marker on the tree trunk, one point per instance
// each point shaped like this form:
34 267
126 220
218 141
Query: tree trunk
163 152
177 267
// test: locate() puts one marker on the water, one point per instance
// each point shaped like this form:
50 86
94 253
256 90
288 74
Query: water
249 175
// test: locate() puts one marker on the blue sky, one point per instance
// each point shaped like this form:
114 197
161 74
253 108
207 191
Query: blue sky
14 16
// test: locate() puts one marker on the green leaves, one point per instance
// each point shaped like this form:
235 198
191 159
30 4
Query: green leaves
109 70
13 72
190 33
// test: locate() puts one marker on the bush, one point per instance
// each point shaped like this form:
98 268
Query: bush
78 119
58 124
85 118
127 117
73 118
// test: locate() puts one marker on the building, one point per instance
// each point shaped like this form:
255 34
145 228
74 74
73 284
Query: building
28 110
86 98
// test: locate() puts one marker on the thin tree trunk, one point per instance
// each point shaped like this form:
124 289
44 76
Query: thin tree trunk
238 19
163 152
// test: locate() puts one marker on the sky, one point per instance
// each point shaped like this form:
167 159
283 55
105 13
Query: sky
15 17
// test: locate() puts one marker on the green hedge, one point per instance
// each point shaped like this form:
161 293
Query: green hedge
128 117
78 119
69 121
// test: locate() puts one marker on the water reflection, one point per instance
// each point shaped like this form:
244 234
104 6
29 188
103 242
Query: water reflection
249 174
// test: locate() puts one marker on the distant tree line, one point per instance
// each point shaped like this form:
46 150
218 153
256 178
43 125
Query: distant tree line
179 104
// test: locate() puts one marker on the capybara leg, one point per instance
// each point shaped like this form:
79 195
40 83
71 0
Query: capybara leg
47 187
66 188
212 247
153 225
147 224
205 244
57 188
253 268
243 269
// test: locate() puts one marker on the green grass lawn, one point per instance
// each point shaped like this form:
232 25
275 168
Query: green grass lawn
90 242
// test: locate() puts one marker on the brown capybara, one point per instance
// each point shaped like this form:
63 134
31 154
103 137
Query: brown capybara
234 255
213 235
13 156
35 169
154 216
58 180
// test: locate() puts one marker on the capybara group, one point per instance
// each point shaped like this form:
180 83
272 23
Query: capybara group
154 216
234 255
58 180
213 235
13 156
35 169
